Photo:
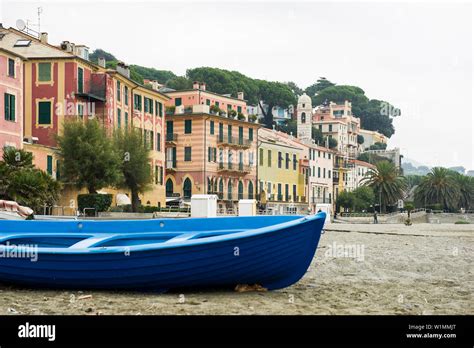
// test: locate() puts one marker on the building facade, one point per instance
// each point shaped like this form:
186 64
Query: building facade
209 151
11 100
281 173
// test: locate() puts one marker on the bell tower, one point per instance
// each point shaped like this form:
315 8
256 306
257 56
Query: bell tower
304 111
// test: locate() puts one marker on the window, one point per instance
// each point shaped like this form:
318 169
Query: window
80 110
159 109
188 126
44 72
294 162
148 105
221 187
119 91
239 109
251 134
250 190
241 190
324 172
49 164
160 175
10 105
261 157
58 174
287 192
251 158
303 117
178 101
229 133
241 135
229 190
80 80
169 188
209 154
294 193
125 95
330 127
269 158
221 132
44 112
158 142
211 128
319 172
187 154
187 188
22 43
287 161
329 174
119 118
208 102
11 67
169 130
137 101
126 119
280 159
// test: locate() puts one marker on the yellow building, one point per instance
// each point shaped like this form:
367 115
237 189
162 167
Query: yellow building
281 173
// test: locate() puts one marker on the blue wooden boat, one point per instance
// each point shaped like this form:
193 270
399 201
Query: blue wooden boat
161 254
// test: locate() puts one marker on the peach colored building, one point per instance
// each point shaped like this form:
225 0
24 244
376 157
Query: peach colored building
208 152
11 99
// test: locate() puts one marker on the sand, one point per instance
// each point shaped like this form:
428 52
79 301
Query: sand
373 269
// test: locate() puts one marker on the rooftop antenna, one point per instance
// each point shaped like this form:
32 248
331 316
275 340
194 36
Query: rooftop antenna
26 27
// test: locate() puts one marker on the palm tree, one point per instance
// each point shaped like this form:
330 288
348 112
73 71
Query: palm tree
466 191
387 183
439 186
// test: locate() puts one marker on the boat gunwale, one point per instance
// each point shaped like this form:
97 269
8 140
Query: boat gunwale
159 245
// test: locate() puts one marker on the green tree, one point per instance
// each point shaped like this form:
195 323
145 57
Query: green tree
387 183
274 94
179 83
360 139
363 198
294 87
135 165
318 136
378 146
346 200
88 157
22 182
465 185
439 186
332 142
317 87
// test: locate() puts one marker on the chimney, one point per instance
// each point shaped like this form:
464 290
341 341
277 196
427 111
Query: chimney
123 69
203 86
240 95
196 85
44 38
102 62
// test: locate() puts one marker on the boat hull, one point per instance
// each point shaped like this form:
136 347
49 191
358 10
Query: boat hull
275 257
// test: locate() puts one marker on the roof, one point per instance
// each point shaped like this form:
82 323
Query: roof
205 91
36 48
362 163
139 85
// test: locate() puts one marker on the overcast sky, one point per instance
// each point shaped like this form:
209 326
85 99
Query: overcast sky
418 56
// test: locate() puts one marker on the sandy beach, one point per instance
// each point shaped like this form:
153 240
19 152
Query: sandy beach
358 269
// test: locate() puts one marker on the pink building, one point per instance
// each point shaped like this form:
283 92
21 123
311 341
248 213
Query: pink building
11 100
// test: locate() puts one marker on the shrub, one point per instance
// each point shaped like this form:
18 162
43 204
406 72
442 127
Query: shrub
170 110
252 118
240 116
214 109
94 200
462 222
231 113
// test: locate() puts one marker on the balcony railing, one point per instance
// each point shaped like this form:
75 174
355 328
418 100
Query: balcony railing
93 88
170 165
234 167
171 137
234 141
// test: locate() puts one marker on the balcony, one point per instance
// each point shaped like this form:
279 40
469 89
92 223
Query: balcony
171 166
92 89
324 200
234 141
171 138
237 168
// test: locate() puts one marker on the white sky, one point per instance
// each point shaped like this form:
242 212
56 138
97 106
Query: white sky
418 56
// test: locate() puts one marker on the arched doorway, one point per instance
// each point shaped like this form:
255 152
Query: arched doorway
241 190
169 188
187 188
250 190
